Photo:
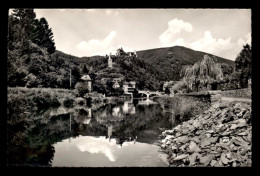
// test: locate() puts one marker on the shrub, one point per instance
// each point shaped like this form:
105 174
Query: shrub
82 88
68 102
44 100
16 105
180 85
186 110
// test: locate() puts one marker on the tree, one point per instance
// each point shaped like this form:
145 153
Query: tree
167 90
243 65
202 73
19 26
25 18
42 35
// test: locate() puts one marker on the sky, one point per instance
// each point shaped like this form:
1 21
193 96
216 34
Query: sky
89 32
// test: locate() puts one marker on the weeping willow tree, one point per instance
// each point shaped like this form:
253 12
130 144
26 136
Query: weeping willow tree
202 73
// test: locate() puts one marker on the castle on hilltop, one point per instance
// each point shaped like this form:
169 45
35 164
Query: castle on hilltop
120 52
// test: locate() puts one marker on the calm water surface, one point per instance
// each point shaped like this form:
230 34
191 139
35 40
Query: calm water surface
112 136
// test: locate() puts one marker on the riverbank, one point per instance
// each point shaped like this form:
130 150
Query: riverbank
220 136
182 107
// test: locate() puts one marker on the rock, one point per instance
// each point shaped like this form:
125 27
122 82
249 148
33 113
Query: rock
198 132
180 157
210 131
192 159
241 122
242 134
185 131
174 148
239 142
223 106
183 147
196 139
208 135
218 164
182 139
214 143
168 142
225 139
169 132
193 147
228 119
240 114
213 162
206 159
222 145
178 134
247 115
226 133
214 139
228 155
168 137
191 128
233 126
223 159
216 114
205 142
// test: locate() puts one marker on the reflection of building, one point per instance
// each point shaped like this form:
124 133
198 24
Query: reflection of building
116 112
109 132
116 84
128 107
88 79
88 117
129 87
146 102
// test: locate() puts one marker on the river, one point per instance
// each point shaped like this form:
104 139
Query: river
116 135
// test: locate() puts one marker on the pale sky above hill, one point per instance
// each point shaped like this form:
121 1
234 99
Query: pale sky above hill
88 32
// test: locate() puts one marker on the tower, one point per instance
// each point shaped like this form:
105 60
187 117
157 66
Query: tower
110 61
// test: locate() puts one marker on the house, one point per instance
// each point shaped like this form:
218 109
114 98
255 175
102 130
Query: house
87 79
129 87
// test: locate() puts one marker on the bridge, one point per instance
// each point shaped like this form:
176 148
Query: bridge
149 93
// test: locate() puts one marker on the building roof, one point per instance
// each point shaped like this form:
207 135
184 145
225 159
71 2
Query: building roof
86 78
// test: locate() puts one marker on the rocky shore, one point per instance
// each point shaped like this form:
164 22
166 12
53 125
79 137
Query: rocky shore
219 137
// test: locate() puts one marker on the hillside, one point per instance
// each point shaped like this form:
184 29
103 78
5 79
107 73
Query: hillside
154 65
171 60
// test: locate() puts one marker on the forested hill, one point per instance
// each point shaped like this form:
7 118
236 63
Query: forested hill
162 64
171 60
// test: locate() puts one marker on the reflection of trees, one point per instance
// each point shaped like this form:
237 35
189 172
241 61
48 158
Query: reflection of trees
33 145
146 117
30 141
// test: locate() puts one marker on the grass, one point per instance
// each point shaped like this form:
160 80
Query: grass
38 98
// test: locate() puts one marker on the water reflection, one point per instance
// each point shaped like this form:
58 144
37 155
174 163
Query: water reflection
129 107
42 138
97 151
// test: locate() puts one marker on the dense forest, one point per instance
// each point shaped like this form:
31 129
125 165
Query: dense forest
171 60
32 57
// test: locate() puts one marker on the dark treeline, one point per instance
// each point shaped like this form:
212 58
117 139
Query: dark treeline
32 60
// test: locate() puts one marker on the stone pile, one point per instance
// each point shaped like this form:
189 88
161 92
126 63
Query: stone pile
220 137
